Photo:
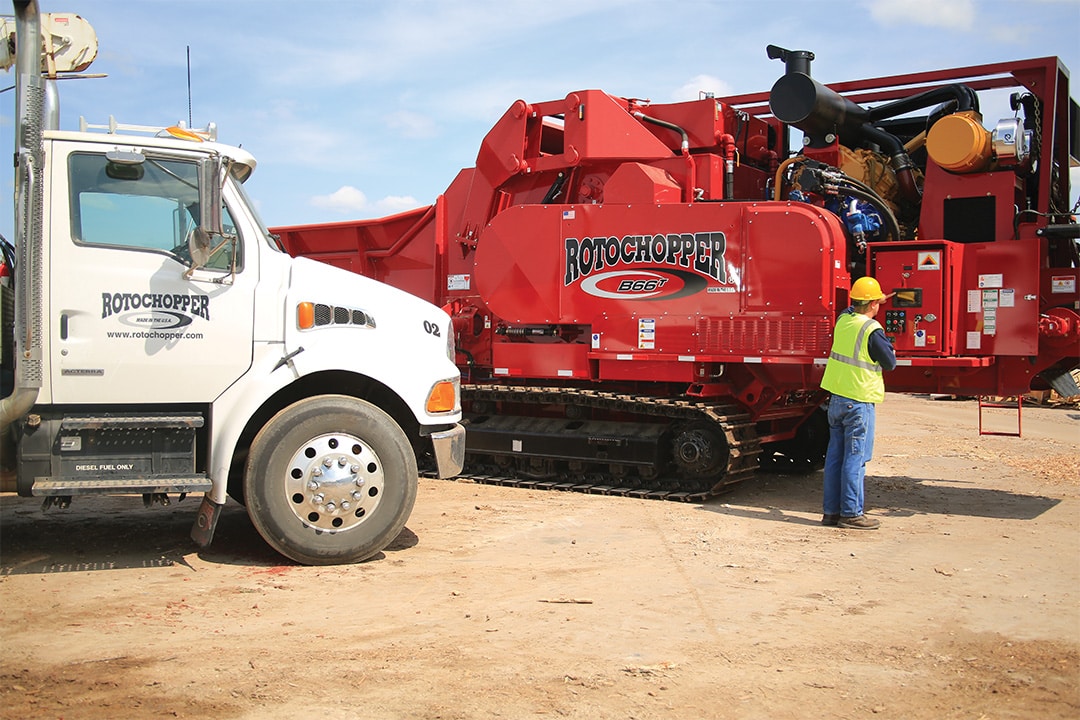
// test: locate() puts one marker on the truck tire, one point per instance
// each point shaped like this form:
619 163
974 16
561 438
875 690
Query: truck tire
330 479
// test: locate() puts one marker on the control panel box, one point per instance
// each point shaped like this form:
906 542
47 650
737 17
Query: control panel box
959 299
917 274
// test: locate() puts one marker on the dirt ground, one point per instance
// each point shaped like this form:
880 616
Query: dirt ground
507 603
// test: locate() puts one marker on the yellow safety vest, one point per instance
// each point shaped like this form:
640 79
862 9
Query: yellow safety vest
850 371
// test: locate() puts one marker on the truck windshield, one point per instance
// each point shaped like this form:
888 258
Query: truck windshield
151 206
268 237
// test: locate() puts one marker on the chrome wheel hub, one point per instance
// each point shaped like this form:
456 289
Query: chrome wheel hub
334 482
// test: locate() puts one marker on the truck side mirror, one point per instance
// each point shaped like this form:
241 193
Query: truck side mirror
200 242
210 195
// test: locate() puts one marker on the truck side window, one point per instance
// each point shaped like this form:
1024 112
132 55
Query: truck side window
153 207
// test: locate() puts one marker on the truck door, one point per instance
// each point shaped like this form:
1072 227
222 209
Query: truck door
126 325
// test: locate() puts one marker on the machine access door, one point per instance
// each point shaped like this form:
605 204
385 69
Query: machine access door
126 324
1000 287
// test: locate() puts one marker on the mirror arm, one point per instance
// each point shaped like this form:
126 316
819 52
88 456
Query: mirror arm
225 240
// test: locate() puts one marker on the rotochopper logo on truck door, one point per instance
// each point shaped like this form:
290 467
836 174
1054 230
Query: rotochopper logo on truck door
155 311
682 264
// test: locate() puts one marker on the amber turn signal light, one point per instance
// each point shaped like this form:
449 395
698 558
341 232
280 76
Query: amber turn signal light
305 315
442 398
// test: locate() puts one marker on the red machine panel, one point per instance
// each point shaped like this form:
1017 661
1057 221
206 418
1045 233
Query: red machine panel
706 278
918 319
969 208
552 360
1000 289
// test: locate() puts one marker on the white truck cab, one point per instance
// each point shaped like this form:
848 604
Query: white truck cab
166 344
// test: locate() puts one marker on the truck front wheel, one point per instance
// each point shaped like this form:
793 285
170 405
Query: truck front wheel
330 479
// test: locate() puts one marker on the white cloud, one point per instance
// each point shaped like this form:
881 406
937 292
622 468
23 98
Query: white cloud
397 203
347 200
343 200
953 14
692 89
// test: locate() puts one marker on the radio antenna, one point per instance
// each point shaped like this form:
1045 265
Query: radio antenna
189 87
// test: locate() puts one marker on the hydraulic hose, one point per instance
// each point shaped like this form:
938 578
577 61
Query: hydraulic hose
728 149
688 190
778 181
875 200
670 126
848 186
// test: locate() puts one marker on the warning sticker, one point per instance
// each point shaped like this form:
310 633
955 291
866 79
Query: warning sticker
1062 284
974 301
930 260
458 282
646 334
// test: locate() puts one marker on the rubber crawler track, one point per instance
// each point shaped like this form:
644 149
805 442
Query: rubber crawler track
743 447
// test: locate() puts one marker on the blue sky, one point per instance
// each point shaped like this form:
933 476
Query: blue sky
368 107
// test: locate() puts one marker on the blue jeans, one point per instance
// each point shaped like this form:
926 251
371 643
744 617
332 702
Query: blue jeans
851 445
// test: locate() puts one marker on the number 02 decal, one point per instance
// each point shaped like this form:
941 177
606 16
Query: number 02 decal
431 328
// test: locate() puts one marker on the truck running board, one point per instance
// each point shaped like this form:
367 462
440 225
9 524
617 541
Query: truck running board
44 487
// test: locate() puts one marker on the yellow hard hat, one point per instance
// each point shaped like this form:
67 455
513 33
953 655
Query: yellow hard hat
865 289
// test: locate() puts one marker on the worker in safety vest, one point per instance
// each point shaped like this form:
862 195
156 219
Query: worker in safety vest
860 352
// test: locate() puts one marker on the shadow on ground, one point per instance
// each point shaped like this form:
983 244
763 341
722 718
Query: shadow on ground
778 497
112 533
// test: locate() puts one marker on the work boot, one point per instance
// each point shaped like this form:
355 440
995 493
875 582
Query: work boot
830 519
860 522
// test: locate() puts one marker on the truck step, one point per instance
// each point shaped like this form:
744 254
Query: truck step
131 422
44 487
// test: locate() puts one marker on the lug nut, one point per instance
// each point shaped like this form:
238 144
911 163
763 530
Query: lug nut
317 498
331 507
317 472
313 485
327 462
342 460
